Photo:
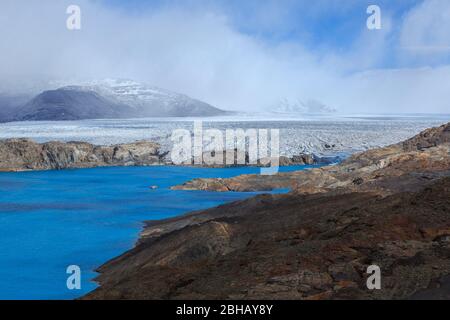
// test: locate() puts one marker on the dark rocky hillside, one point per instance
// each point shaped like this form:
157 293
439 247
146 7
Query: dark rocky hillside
70 104
113 101
389 207
25 154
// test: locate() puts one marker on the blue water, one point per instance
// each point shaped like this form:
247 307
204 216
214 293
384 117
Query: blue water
50 220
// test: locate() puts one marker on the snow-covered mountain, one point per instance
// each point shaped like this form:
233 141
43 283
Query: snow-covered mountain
298 107
151 101
110 99
9 104
72 103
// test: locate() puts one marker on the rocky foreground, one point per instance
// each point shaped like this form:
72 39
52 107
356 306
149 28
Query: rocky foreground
389 207
400 167
25 154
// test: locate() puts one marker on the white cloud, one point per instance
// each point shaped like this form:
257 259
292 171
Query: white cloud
200 53
425 32
420 90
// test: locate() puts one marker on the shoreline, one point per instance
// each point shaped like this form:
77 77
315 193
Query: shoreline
295 137
407 170
23 154
159 165
98 204
392 177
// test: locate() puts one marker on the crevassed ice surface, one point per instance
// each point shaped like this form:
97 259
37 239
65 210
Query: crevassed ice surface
320 135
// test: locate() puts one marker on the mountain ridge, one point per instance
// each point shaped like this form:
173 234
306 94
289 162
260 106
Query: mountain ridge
298 106
105 99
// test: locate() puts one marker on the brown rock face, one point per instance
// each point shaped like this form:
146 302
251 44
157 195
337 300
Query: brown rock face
428 138
25 154
388 207
235 158
290 247
415 161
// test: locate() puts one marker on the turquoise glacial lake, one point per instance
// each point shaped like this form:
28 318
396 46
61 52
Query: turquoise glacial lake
52 219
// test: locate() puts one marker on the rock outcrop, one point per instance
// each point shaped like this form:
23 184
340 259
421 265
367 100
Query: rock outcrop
413 162
71 104
388 207
25 154
236 158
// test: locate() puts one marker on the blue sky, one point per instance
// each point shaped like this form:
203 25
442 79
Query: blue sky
332 25
241 54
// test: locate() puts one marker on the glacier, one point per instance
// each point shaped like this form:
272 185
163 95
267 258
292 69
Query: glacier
318 135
